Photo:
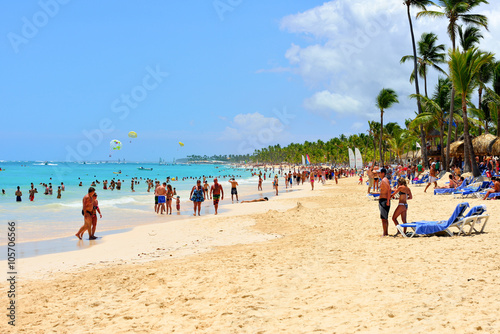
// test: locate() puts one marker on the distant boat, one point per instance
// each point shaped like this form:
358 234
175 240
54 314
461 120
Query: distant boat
46 163
142 168
119 172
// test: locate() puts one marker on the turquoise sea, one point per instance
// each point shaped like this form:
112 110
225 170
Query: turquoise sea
48 217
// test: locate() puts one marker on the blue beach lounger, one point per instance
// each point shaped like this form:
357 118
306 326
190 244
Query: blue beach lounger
475 217
431 227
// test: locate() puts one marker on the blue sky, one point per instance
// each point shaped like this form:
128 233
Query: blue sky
224 77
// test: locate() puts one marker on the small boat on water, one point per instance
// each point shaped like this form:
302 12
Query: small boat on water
142 168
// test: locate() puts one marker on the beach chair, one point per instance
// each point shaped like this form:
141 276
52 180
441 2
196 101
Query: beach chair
423 180
471 190
431 227
474 218
450 190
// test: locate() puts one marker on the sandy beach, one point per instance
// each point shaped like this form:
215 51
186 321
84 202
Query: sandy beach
306 261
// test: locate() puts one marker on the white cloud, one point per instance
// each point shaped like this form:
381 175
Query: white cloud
324 103
353 49
254 131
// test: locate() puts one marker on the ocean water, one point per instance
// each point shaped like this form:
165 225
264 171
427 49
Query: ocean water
48 217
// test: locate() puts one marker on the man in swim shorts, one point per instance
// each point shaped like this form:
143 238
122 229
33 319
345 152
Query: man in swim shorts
88 207
162 197
216 193
234 191
384 202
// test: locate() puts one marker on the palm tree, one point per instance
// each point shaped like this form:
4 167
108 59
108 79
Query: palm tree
435 110
430 56
469 37
464 68
385 99
421 5
374 131
454 11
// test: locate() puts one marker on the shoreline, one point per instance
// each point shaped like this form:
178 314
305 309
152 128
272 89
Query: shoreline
62 249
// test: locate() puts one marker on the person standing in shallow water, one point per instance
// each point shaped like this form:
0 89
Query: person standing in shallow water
197 196
18 194
88 207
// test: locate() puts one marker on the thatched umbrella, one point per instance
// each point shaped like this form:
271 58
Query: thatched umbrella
457 149
482 144
495 148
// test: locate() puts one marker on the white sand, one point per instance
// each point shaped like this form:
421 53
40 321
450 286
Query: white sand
328 272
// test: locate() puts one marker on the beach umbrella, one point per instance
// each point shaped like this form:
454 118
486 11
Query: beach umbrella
457 149
482 144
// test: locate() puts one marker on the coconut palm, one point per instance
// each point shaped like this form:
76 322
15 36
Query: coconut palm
435 110
385 99
464 68
430 55
455 11
420 4
469 37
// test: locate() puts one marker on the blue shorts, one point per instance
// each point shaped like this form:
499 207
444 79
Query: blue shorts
161 199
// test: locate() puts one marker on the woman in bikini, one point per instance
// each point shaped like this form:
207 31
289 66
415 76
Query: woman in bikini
170 194
404 195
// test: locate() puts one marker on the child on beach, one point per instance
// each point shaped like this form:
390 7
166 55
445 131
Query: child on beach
360 178
404 195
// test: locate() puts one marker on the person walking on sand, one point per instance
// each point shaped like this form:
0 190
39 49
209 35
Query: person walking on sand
371 177
197 196
384 201
432 176
404 195
88 206
95 210
234 191
217 193
259 187
311 179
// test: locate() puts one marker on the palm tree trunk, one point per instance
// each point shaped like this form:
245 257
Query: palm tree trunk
470 160
417 88
480 92
381 134
441 135
498 122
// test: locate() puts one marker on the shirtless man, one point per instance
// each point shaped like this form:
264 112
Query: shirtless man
234 191
88 207
370 174
216 193
384 202
432 176
162 197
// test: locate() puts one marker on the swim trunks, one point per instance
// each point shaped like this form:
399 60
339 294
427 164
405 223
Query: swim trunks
161 199
234 191
216 198
432 179
384 208
156 199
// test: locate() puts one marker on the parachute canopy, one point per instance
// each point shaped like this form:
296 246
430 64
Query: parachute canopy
182 144
115 145
132 134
